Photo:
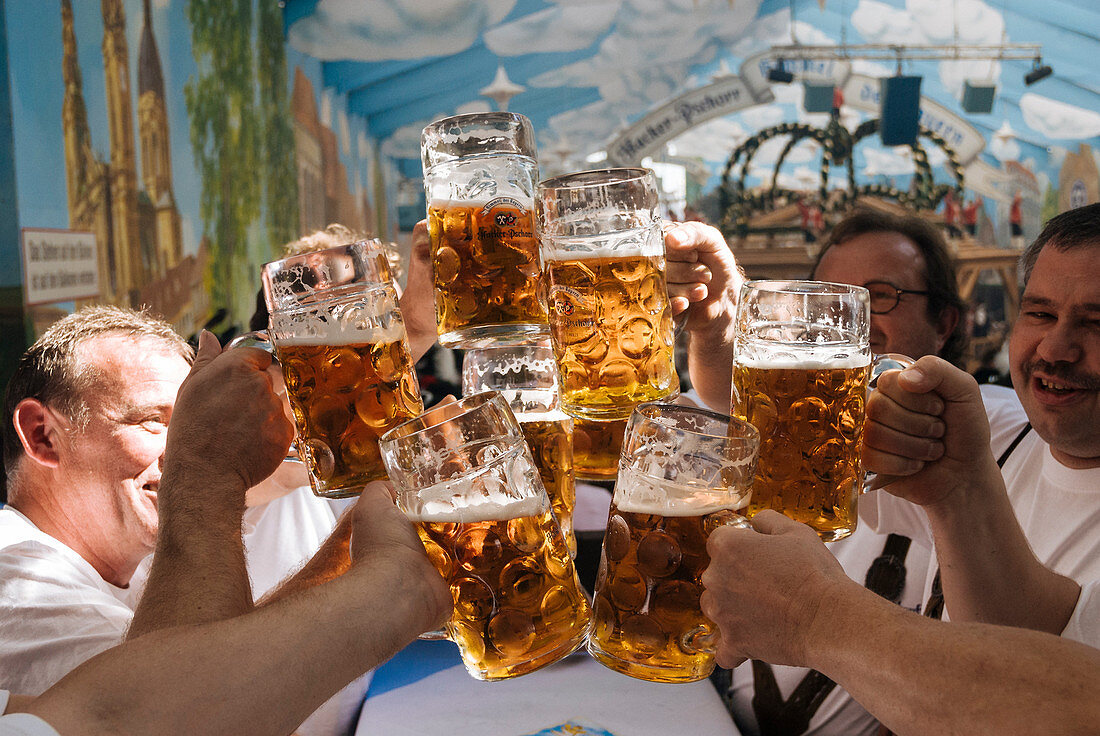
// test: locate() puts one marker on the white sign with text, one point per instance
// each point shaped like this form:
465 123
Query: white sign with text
59 266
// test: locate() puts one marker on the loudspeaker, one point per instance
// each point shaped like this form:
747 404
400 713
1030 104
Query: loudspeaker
900 116
978 98
817 97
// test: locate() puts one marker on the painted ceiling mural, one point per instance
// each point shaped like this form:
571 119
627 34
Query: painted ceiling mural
584 71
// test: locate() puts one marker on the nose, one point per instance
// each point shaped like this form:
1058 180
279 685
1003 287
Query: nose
1059 344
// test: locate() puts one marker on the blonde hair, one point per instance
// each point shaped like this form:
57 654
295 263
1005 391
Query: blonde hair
337 234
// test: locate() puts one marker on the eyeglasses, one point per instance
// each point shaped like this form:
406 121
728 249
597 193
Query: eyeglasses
885 296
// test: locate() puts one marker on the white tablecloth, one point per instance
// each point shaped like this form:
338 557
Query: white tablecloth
425 691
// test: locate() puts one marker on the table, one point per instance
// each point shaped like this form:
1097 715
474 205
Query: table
425 691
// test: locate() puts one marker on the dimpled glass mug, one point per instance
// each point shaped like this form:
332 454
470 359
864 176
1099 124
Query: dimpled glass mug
465 478
479 180
683 472
603 256
524 375
339 338
801 367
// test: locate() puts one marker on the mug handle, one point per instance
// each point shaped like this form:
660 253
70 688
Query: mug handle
704 639
262 339
879 365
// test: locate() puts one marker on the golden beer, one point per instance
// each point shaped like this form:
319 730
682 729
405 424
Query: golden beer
550 440
518 605
612 331
810 419
596 448
485 265
344 397
646 620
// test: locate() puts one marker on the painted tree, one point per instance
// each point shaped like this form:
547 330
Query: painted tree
278 157
225 141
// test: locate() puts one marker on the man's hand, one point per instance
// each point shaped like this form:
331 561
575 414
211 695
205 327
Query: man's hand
768 590
703 278
927 434
228 424
418 299
381 533
703 274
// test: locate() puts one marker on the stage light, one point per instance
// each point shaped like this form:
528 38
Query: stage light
1039 71
778 74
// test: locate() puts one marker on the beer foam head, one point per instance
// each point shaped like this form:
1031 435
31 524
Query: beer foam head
796 358
551 415
643 494
642 242
338 334
443 504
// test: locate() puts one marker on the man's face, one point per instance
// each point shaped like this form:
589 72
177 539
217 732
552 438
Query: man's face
893 258
1054 353
111 470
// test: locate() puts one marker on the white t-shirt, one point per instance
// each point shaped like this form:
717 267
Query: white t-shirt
21 724
838 713
57 612
1058 507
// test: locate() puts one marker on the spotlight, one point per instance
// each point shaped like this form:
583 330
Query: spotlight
1039 71
779 74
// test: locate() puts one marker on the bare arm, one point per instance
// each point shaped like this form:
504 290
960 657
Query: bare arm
927 429
704 279
264 672
418 298
228 431
780 596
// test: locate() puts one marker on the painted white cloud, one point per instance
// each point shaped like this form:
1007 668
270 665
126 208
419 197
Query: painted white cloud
763 116
1003 145
405 141
775 30
1056 119
974 21
712 141
394 29
888 162
565 26
474 106
1056 155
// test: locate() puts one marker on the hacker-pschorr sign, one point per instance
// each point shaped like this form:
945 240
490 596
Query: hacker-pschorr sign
59 266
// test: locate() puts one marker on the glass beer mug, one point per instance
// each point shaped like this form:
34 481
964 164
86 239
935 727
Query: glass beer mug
603 261
479 179
339 337
801 367
465 478
524 376
683 473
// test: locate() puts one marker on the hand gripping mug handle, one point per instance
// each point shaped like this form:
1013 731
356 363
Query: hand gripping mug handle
704 639
262 339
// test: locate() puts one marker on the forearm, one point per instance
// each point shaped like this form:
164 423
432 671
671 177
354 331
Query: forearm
710 367
988 571
261 673
198 573
920 676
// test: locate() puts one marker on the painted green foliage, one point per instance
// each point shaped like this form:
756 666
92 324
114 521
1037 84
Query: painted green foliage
242 144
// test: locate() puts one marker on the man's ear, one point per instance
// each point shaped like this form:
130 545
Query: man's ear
37 428
945 324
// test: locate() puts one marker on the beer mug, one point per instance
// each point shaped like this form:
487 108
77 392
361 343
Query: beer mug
525 376
610 320
465 478
479 178
683 473
596 447
338 335
802 362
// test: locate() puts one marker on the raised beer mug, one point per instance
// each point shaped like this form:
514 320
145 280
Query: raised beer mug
465 478
340 340
479 179
525 376
801 366
684 472
603 258
596 447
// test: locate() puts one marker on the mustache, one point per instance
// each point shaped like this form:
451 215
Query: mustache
1066 373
